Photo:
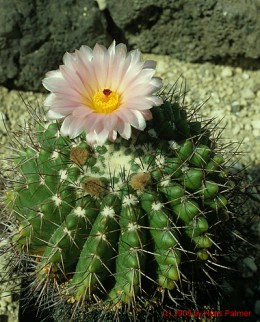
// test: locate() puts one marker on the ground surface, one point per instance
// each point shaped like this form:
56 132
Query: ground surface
233 95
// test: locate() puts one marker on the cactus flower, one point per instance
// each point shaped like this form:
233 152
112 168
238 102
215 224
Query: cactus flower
103 92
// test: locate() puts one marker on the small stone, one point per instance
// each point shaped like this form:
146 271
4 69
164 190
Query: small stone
248 267
256 133
160 67
247 93
227 72
245 76
248 127
256 123
257 307
236 129
235 107
255 228
102 4
2 121
256 88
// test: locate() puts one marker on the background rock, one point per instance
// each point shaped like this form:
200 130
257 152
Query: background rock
34 35
199 30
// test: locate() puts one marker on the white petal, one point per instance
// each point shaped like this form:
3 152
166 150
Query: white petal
157 100
77 126
86 52
49 100
132 117
112 136
156 82
69 60
91 137
125 130
54 73
112 48
51 115
150 64
65 127
141 120
102 137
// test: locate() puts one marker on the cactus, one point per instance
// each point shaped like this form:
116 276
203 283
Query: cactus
118 225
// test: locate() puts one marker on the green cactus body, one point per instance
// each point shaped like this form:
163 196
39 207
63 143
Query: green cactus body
130 261
165 239
108 220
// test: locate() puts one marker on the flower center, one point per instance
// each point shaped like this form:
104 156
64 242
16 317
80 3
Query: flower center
105 101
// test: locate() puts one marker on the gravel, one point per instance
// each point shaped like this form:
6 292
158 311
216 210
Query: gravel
230 94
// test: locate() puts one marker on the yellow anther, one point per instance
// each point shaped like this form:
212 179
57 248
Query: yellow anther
105 101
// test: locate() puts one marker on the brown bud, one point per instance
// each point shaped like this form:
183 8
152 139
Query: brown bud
140 180
79 155
93 186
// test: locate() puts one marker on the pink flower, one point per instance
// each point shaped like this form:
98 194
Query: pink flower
102 92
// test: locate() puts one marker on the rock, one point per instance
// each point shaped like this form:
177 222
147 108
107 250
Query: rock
247 93
227 72
257 307
235 107
248 267
2 121
208 31
35 35
256 123
256 87
245 76
102 4
255 228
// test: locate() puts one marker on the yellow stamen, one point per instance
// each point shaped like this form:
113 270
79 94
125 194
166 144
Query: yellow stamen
105 101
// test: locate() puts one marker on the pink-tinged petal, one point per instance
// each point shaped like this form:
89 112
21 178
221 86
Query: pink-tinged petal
86 52
91 138
138 103
81 111
60 101
110 121
72 126
124 129
92 122
112 136
147 114
56 85
101 65
76 127
117 67
72 79
102 137
69 60
133 117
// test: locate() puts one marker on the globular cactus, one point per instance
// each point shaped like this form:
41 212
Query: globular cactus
117 225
